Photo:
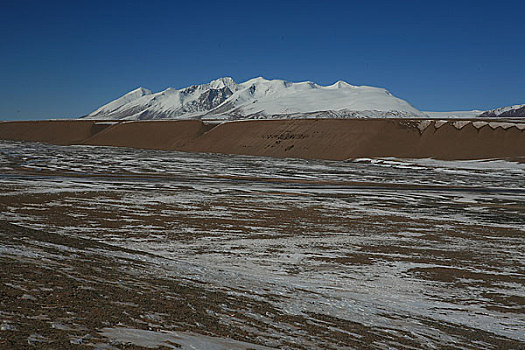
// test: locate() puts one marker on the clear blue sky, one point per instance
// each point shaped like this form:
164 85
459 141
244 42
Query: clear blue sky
66 58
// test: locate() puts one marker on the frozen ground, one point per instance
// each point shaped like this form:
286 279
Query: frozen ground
117 247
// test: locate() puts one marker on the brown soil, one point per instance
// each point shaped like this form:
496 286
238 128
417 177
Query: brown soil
335 139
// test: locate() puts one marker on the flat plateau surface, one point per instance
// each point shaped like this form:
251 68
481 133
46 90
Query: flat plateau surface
117 248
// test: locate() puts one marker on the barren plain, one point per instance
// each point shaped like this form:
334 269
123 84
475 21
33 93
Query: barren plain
105 247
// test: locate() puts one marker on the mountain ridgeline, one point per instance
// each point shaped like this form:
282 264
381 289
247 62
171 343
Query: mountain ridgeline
255 99
260 98
517 111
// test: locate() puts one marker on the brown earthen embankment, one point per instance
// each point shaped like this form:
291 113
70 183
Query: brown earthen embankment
335 139
58 132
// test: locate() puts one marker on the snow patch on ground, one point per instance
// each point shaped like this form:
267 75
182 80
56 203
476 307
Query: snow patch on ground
172 340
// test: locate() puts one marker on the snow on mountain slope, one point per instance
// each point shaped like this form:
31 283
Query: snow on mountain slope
256 98
278 97
454 114
122 101
170 103
511 111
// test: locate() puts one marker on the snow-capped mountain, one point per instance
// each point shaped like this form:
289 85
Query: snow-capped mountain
257 98
512 112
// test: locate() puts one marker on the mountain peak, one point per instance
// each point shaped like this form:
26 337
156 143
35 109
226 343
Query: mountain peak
257 80
140 91
222 82
340 84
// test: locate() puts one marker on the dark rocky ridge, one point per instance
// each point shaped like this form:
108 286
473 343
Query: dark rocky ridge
512 113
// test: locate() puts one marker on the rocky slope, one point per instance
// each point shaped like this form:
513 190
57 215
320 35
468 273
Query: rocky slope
510 112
